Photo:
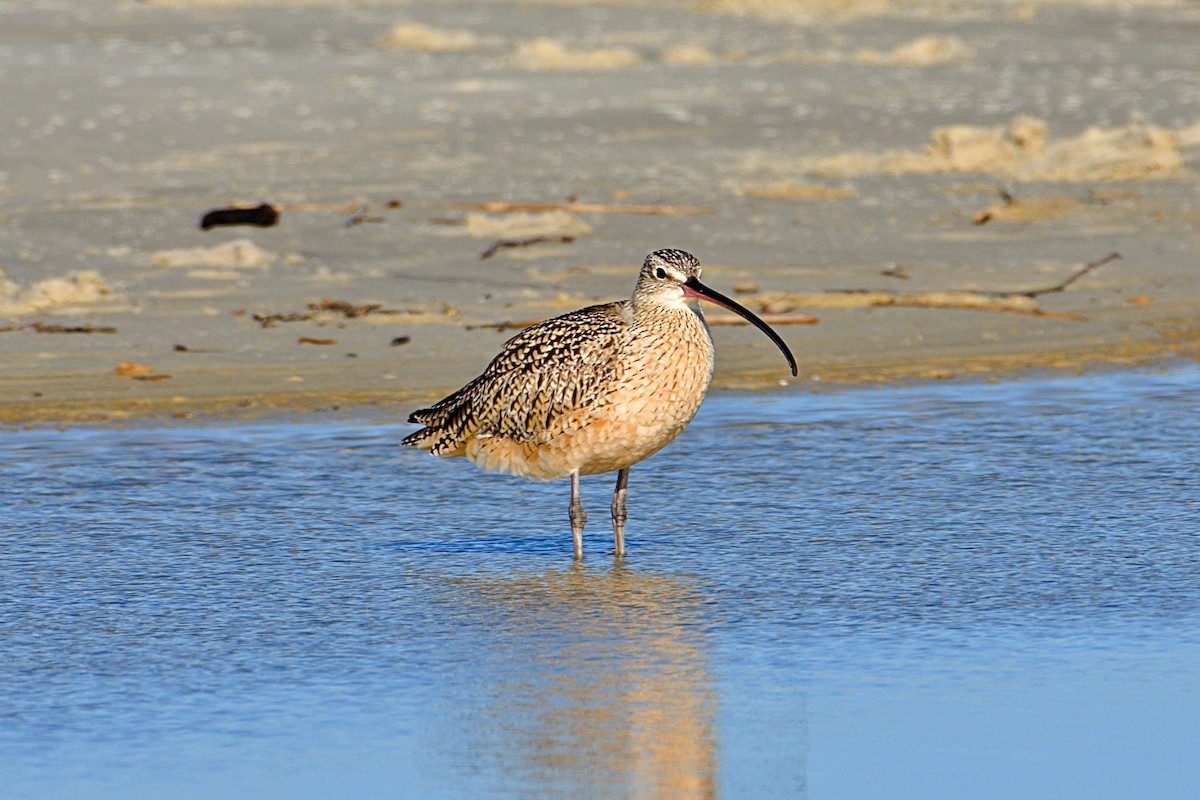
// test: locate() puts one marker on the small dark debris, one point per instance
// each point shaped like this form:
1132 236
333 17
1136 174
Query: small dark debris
263 216
504 325
311 340
399 340
181 348
394 204
360 216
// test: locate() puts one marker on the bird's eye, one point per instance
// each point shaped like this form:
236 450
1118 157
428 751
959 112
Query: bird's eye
660 273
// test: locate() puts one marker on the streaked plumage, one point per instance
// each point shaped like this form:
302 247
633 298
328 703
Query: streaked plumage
595 390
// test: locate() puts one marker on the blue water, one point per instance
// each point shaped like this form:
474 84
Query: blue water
946 591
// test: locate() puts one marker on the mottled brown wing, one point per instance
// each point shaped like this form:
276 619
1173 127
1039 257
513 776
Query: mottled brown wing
544 373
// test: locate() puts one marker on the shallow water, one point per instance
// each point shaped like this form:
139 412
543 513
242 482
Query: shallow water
985 591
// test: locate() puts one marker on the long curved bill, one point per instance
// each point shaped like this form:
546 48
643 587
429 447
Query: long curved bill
694 288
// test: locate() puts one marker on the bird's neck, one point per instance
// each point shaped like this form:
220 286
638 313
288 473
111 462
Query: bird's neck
659 304
657 315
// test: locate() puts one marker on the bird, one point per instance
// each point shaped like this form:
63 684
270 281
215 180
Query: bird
592 391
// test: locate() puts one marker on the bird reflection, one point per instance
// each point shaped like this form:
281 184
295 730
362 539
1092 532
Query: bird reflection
604 689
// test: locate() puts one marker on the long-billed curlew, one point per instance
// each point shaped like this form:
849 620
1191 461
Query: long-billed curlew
592 391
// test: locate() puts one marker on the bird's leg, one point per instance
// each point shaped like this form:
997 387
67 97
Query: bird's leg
578 517
618 513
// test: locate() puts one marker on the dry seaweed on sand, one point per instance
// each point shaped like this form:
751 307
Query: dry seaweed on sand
322 309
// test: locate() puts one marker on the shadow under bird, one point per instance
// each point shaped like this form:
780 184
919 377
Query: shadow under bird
595 390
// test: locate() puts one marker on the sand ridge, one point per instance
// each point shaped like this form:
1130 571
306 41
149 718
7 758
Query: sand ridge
1022 150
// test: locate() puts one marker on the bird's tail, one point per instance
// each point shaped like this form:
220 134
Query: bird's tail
448 425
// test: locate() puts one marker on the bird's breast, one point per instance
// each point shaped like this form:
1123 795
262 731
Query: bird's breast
667 367
661 372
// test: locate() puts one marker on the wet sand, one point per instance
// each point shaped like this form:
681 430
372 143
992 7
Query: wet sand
907 174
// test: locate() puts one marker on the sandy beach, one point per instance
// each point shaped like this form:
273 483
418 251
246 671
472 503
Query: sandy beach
908 190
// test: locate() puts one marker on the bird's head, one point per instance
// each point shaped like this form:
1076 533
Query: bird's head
664 274
672 278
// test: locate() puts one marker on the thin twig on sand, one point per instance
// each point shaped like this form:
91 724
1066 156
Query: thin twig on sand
1058 287
502 244
1013 301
